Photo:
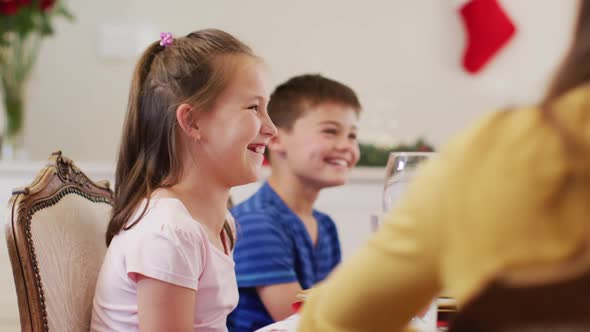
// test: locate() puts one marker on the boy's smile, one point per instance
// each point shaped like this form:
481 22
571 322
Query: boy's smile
340 163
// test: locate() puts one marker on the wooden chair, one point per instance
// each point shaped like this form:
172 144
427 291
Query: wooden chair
55 233
557 301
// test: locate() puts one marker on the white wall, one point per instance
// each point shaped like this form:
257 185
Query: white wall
403 58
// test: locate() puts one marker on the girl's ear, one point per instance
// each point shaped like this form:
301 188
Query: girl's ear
185 115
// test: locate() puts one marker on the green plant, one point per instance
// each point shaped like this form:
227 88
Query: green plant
373 155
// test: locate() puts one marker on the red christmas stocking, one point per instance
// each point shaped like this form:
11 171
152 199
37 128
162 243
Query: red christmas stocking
488 29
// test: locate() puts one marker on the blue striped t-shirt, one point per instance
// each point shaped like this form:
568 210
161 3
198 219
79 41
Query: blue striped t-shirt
274 247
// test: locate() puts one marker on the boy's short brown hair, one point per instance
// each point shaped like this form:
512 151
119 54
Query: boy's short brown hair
291 99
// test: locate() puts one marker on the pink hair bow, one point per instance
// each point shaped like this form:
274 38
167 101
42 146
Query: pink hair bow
166 39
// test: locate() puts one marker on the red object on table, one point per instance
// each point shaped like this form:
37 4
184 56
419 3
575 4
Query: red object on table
296 306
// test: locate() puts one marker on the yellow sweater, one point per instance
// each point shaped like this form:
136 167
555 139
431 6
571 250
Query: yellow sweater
506 195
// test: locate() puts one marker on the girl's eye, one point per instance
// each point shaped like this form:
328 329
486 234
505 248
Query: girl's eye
330 131
253 107
352 136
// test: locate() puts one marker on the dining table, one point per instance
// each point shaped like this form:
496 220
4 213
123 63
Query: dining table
446 309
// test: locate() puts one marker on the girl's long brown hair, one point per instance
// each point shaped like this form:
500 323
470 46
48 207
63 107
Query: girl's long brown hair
574 70
190 71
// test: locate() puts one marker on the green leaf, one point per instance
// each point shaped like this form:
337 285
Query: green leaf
24 23
61 10
7 24
45 28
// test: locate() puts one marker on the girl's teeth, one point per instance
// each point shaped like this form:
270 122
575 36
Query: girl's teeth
339 162
260 149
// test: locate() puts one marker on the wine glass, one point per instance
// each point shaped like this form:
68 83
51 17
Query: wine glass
398 173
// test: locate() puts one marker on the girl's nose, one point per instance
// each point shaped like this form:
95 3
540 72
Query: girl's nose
268 128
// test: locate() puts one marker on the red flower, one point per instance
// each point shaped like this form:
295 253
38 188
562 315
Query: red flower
46 4
9 7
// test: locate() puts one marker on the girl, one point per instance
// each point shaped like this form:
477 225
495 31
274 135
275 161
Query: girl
196 126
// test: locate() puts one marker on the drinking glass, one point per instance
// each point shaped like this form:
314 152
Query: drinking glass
398 173
400 170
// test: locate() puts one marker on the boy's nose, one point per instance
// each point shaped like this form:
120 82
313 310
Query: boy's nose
345 144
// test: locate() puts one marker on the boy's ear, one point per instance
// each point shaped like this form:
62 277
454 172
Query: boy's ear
186 117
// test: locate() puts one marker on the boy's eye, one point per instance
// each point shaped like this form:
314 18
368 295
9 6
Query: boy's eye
352 136
253 107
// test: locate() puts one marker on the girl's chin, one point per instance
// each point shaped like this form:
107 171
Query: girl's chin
255 156
250 176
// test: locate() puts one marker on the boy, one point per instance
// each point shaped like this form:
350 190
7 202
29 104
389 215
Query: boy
284 245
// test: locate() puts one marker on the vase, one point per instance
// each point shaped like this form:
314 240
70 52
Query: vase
12 136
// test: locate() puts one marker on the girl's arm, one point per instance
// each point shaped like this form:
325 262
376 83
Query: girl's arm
164 307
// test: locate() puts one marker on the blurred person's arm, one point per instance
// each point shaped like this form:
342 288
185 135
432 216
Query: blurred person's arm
395 275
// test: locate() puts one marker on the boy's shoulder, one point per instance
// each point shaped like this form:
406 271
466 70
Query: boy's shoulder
264 207
322 215
264 201
324 218
254 208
